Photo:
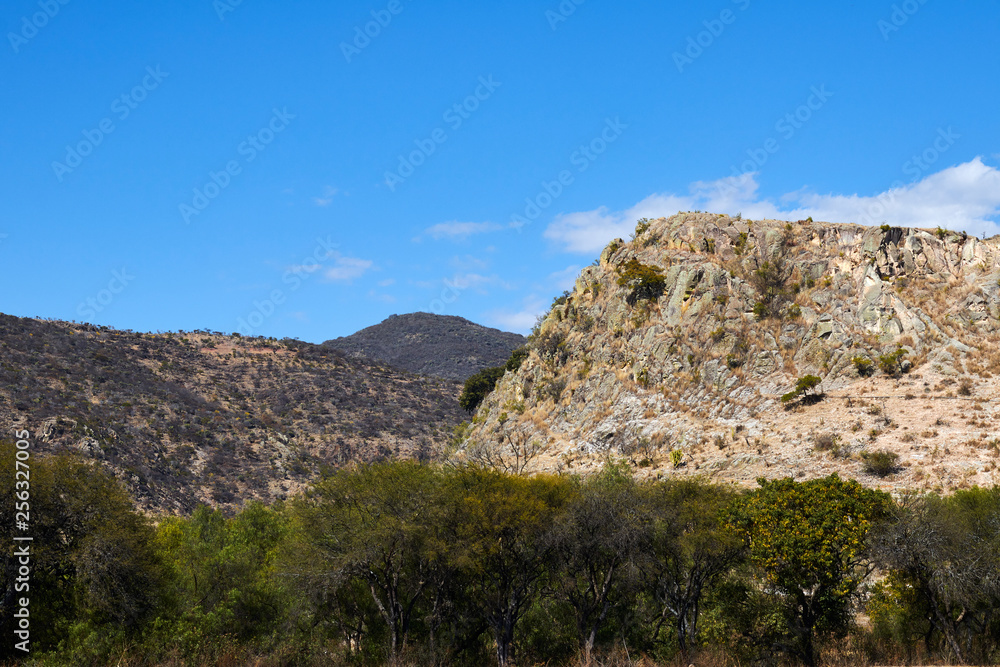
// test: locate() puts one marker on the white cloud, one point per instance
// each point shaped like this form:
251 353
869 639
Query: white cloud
346 268
460 230
385 298
519 321
467 263
329 192
964 197
387 282
464 281
565 279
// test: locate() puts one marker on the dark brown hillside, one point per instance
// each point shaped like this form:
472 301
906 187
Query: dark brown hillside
200 417
440 345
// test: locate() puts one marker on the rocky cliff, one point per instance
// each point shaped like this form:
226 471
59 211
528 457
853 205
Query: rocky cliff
673 350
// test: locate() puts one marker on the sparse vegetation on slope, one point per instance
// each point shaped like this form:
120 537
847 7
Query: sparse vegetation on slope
695 329
183 418
439 345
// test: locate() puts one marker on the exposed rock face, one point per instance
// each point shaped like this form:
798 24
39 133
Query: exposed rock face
440 345
747 307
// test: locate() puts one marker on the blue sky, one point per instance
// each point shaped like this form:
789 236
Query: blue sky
307 169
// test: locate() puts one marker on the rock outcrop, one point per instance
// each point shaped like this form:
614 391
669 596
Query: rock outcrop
694 357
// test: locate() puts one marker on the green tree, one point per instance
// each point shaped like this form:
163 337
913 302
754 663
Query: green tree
803 387
224 576
809 541
517 357
945 554
478 387
769 278
645 281
598 537
498 542
93 563
377 524
688 551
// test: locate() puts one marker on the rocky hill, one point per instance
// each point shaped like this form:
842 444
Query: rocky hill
440 345
203 417
674 350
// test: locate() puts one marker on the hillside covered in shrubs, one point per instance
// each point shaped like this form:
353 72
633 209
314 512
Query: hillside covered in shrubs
440 345
199 417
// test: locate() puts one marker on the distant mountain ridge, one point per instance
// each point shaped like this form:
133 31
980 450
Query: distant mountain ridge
439 345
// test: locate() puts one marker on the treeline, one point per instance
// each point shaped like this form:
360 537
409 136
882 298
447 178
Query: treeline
402 563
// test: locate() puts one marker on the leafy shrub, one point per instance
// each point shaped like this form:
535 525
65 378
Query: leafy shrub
863 365
642 224
803 388
824 442
647 282
553 346
737 357
478 387
770 280
517 357
561 299
891 364
881 462
676 458
740 244
554 389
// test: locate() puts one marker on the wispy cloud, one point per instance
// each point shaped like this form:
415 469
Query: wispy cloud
468 263
329 192
457 231
521 320
964 197
384 298
565 279
477 281
346 268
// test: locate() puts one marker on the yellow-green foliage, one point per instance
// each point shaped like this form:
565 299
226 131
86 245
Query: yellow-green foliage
808 539
645 281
